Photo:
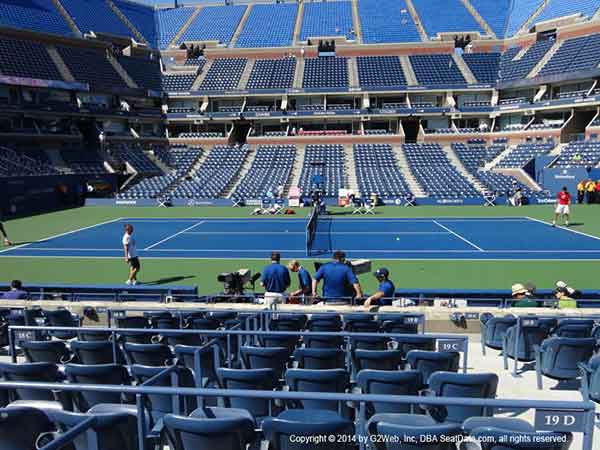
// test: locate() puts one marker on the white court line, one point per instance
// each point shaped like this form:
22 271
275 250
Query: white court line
458 236
565 229
24 246
318 232
175 235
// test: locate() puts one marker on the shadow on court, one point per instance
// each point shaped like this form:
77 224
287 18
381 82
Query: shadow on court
168 280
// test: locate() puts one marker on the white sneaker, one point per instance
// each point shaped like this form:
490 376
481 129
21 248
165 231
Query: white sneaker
134 282
567 223
128 282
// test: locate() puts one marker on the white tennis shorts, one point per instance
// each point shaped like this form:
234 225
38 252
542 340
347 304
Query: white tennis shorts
562 209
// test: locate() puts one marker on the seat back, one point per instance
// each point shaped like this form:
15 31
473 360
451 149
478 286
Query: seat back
385 382
410 437
327 380
62 318
274 358
573 330
462 385
250 379
54 352
495 329
561 356
407 343
320 358
530 337
96 352
288 322
185 356
520 440
289 342
148 354
376 359
32 372
96 374
428 362
20 427
191 433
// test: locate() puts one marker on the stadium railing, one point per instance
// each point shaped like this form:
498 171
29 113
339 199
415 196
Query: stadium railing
444 342
573 416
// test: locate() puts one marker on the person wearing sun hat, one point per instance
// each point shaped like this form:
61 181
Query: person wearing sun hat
522 297
385 292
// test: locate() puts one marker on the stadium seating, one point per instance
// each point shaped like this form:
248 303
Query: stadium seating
214 23
20 58
380 71
272 74
511 69
136 158
435 174
386 21
145 72
269 26
92 67
456 17
169 22
224 74
406 429
494 13
332 156
524 153
326 71
35 15
520 11
142 18
558 358
13 163
327 19
579 154
574 54
377 171
270 169
436 70
484 66
176 82
96 16
561 8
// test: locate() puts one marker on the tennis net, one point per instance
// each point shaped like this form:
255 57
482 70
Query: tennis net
311 229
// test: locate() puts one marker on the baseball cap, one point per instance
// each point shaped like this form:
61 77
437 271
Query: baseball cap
383 272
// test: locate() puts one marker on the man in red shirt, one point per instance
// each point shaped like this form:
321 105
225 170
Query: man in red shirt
563 203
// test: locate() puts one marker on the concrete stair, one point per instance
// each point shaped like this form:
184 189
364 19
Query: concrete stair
64 71
158 162
352 179
190 173
458 165
494 162
409 73
138 36
542 62
356 22
246 74
202 75
415 15
409 177
241 25
299 73
480 20
522 177
464 69
63 12
297 167
242 173
185 26
527 25
122 72
298 26
353 72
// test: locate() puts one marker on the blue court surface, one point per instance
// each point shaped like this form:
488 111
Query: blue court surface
374 238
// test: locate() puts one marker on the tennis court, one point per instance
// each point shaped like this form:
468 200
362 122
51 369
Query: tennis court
505 238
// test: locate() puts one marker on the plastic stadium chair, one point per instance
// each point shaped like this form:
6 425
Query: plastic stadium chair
94 335
134 322
251 379
385 382
324 322
358 324
412 432
97 374
334 342
320 358
369 342
35 372
274 358
591 379
173 339
288 322
407 343
96 352
493 331
55 352
62 318
530 337
202 323
327 380
20 427
399 323
428 362
159 405
162 320
209 359
194 433
574 328
376 359
303 423
111 431
148 354
559 358
505 433
272 340
449 384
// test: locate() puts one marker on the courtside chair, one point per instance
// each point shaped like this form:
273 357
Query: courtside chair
194 433
461 385
20 427
318 424
514 434
55 352
559 358
493 330
320 358
412 432
428 362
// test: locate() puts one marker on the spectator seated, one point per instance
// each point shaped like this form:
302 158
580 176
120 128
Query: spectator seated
579 154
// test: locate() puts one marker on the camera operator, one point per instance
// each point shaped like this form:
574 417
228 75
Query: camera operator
275 279
339 281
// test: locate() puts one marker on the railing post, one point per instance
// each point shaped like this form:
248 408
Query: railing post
12 345
141 421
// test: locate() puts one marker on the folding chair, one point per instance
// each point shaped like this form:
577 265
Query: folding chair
358 206
369 207
410 200
238 202
490 198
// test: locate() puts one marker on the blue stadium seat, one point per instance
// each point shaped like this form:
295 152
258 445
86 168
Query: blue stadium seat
558 358
274 358
62 318
327 19
436 70
494 330
20 427
456 16
495 13
427 362
54 352
484 66
34 372
386 382
272 74
209 359
511 69
562 8
327 380
386 21
377 171
530 336
520 11
142 17
269 26
325 71
96 352
97 16
332 155
376 359
214 23
169 22
35 15
320 358
98 374
251 379
155 355
22 58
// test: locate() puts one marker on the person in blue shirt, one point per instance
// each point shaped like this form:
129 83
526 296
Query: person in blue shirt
275 279
16 291
385 292
339 281
304 282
